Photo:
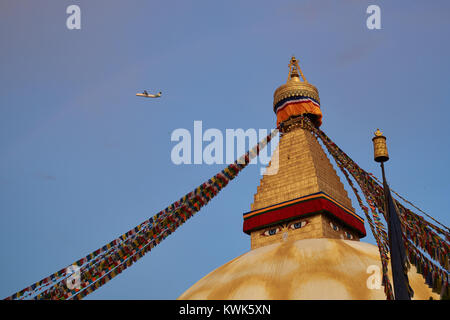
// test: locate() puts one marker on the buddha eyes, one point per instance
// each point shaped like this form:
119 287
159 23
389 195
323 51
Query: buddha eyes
348 235
292 226
272 231
298 225
334 227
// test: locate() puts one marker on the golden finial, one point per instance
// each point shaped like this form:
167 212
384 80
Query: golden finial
294 70
379 147
294 87
378 133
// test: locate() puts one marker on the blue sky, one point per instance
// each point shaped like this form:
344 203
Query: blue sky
83 160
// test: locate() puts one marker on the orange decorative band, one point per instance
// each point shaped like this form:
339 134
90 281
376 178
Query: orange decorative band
296 99
315 203
294 106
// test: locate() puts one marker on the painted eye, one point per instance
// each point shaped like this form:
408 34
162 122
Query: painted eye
298 225
348 235
334 227
271 232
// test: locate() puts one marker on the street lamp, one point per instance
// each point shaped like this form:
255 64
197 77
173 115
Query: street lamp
402 289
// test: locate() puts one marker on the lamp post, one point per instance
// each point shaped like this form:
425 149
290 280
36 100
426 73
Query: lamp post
397 251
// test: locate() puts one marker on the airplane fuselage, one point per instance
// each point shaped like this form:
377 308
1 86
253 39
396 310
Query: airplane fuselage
148 95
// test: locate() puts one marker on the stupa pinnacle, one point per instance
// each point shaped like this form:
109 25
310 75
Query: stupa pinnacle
297 96
305 197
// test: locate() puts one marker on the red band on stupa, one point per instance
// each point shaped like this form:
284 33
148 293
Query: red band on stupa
315 203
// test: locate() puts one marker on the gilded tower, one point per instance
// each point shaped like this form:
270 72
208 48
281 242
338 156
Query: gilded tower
301 196
303 229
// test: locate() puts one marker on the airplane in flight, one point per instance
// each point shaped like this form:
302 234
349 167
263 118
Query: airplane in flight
145 94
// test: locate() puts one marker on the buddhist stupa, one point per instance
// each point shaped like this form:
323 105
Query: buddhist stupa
304 232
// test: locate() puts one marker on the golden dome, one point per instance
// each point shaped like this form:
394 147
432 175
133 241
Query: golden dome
310 269
294 86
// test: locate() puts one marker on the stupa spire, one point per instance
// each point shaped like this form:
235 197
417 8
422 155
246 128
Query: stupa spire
302 197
